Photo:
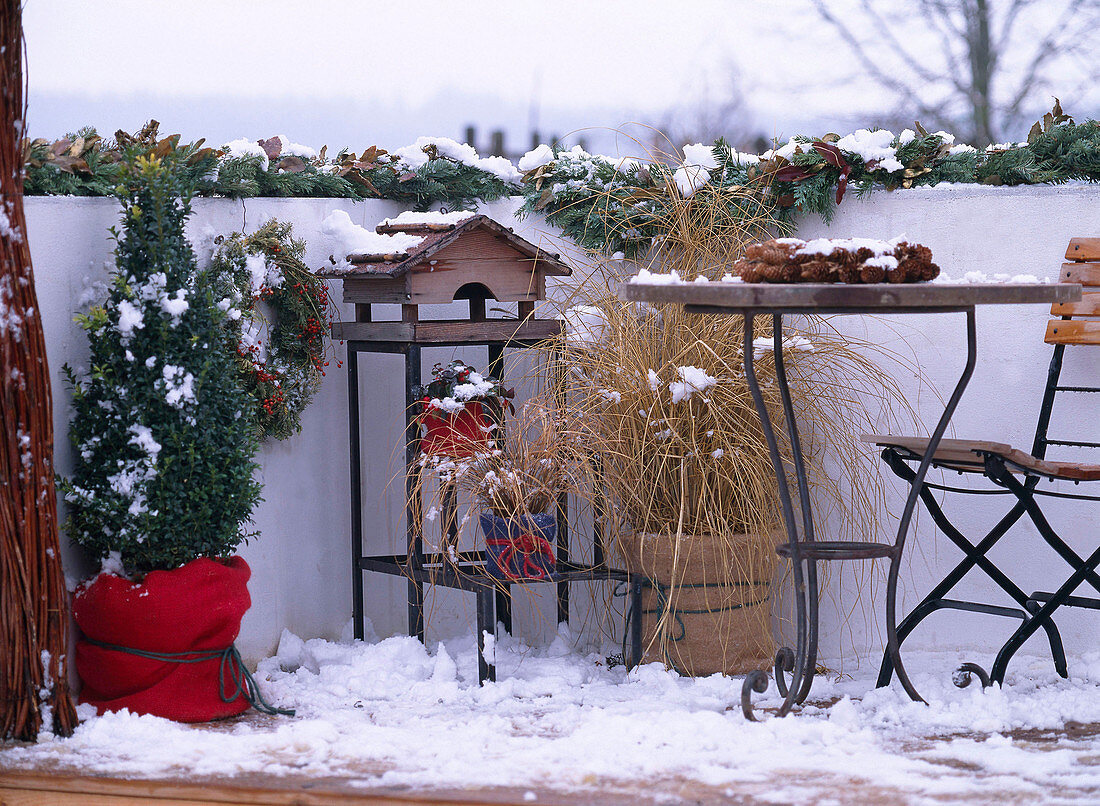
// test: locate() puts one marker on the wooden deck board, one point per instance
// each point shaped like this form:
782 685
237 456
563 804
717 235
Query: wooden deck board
35 789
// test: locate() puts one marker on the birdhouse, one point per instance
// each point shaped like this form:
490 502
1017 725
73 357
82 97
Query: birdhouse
435 258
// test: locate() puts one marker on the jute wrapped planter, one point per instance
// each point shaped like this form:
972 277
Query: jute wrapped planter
706 607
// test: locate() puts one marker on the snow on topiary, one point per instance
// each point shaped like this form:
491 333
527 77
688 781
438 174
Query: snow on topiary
163 434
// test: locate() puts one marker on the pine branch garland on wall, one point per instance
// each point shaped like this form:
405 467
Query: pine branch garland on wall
600 202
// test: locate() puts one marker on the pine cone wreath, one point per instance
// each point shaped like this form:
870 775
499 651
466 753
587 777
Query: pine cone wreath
852 260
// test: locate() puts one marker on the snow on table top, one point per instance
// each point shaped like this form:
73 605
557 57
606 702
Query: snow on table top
393 713
840 297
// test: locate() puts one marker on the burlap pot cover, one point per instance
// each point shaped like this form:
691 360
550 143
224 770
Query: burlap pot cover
708 597
192 609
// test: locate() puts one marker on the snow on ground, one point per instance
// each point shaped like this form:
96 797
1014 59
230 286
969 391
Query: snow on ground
391 713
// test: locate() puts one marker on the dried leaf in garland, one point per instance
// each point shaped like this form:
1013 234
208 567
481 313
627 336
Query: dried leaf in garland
278 316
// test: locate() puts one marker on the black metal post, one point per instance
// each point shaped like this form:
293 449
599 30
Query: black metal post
414 523
486 627
356 493
495 368
757 680
810 593
563 555
562 515
635 604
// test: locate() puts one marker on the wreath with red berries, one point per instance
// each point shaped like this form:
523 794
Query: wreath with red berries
278 315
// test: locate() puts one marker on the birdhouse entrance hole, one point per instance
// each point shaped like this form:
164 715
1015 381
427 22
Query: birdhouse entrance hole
476 293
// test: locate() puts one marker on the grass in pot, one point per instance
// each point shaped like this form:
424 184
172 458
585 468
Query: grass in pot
663 401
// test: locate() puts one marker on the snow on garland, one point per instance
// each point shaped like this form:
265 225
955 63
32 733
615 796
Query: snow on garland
608 203
278 316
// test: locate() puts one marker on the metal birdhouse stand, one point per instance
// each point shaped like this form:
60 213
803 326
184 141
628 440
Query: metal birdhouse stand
474 259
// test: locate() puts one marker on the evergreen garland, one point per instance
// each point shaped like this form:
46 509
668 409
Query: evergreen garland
162 431
279 314
593 201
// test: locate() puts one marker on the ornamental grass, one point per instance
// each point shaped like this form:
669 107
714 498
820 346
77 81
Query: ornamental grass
660 398
533 461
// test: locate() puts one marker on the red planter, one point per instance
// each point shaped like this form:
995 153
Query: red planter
461 434
193 609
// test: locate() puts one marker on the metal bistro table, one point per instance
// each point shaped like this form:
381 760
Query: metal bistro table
802 549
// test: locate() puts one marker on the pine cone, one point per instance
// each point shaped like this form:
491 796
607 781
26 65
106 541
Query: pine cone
791 273
872 274
842 257
770 252
914 262
771 273
748 270
817 271
848 274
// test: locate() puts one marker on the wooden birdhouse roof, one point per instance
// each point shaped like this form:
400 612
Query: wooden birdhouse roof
434 237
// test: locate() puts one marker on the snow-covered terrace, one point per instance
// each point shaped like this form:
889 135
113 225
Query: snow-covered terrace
385 715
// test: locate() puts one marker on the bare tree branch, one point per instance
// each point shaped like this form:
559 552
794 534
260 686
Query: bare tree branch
1041 54
873 69
967 78
923 73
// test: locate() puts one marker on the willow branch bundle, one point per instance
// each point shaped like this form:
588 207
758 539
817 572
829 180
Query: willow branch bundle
34 691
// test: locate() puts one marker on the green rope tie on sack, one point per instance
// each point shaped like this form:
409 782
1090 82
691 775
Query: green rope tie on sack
243 681
664 606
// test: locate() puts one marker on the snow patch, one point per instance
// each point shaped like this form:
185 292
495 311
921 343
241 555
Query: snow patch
352 239
130 318
413 217
689 179
536 158
243 147
692 380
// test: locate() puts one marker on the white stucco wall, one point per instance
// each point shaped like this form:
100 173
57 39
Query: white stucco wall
301 576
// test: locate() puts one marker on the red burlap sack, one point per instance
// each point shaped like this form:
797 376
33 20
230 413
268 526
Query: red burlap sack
196 608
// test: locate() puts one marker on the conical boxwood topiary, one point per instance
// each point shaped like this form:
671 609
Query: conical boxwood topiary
164 465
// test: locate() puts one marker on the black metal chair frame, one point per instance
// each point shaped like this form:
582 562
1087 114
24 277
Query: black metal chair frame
1036 609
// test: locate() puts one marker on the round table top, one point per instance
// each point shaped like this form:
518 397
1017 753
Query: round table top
718 296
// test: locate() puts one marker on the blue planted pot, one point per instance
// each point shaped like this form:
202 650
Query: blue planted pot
520 549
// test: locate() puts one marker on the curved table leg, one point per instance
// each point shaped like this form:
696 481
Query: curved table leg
810 657
805 584
893 643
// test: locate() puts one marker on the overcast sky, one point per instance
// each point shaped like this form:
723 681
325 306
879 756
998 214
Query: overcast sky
353 73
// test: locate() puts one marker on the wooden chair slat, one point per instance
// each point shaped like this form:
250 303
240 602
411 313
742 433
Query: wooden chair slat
1062 331
962 454
1088 306
1087 274
1083 249
956 453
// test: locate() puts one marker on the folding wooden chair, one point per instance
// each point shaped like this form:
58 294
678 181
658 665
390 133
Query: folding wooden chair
1018 474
